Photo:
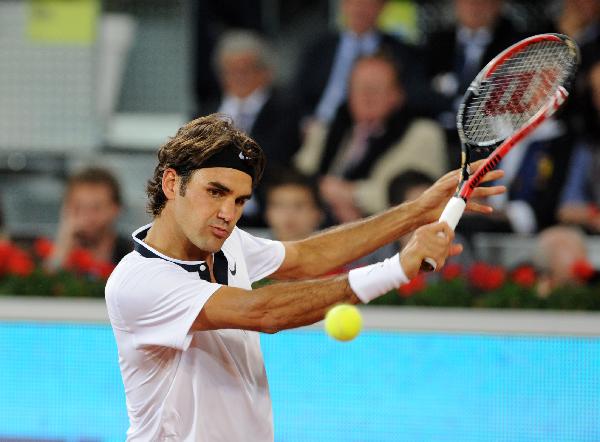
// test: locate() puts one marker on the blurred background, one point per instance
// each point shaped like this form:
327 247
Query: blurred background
354 102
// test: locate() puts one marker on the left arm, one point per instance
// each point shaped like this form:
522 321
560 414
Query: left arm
328 250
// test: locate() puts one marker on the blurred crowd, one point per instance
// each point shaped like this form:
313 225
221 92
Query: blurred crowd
365 106
368 121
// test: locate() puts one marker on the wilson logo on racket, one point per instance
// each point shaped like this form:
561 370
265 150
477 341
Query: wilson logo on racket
513 95
510 91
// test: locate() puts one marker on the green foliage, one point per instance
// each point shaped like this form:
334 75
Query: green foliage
454 293
40 283
510 295
459 291
575 298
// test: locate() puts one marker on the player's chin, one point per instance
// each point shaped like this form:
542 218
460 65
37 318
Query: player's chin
216 242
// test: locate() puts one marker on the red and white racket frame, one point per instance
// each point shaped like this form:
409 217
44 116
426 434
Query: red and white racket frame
457 204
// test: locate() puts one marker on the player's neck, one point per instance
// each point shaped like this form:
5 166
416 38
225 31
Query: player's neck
166 238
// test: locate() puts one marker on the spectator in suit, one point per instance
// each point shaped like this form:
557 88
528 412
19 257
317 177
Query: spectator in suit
91 206
580 20
371 139
322 77
244 64
455 55
210 19
534 176
293 207
580 200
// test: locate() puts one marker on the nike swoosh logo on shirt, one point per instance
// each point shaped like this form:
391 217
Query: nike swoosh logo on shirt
233 272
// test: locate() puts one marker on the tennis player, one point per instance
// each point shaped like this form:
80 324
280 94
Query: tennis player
181 305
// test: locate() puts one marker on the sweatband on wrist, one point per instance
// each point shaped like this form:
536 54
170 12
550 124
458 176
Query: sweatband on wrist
377 279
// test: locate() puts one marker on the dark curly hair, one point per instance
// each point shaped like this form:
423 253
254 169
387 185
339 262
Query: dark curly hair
193 144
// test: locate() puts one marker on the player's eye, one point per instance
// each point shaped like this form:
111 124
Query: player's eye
215 192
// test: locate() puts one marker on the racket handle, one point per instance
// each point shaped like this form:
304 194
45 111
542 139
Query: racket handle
451 215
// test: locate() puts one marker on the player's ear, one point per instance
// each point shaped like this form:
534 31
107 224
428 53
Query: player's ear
169 183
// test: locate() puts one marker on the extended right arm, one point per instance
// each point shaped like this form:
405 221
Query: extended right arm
293 304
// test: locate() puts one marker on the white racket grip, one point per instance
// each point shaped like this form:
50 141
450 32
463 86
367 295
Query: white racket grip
453 211
451 215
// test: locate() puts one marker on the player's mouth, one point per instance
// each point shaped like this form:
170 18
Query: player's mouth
219 232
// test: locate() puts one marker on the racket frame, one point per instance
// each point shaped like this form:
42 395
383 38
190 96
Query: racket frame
468 182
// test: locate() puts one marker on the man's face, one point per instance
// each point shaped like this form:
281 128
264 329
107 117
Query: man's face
586 10
241 74
90 209
292 213
361 15
374 91
475 14
210 207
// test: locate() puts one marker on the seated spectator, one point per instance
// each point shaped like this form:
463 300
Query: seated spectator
580 201
244 65
293 208
91 205
534 177
372 139
580 20
321 81
207 20
561 259
454 56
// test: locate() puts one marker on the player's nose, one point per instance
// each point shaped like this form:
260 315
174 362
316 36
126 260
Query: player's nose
227 210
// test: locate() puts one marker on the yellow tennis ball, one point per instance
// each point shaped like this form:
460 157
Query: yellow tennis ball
343 322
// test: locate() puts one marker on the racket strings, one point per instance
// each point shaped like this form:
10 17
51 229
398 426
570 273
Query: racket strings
516 91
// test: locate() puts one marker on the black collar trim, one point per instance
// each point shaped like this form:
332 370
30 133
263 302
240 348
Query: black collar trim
220 265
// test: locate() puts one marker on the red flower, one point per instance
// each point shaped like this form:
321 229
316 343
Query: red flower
524 276
20 263
496 277
103 269
43 247
451 271
6 251
80 260
582 269
486 277
415 285
478 273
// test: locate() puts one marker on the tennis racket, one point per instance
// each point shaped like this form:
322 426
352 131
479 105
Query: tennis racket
510 97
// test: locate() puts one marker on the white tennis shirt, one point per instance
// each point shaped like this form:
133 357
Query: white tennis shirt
182 385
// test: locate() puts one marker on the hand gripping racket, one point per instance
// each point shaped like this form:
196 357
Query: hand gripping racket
511 96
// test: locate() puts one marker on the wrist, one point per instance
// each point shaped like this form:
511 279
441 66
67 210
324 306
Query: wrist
421 212
407 265
377 279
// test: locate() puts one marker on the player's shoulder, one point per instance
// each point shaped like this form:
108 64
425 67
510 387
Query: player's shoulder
136 273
